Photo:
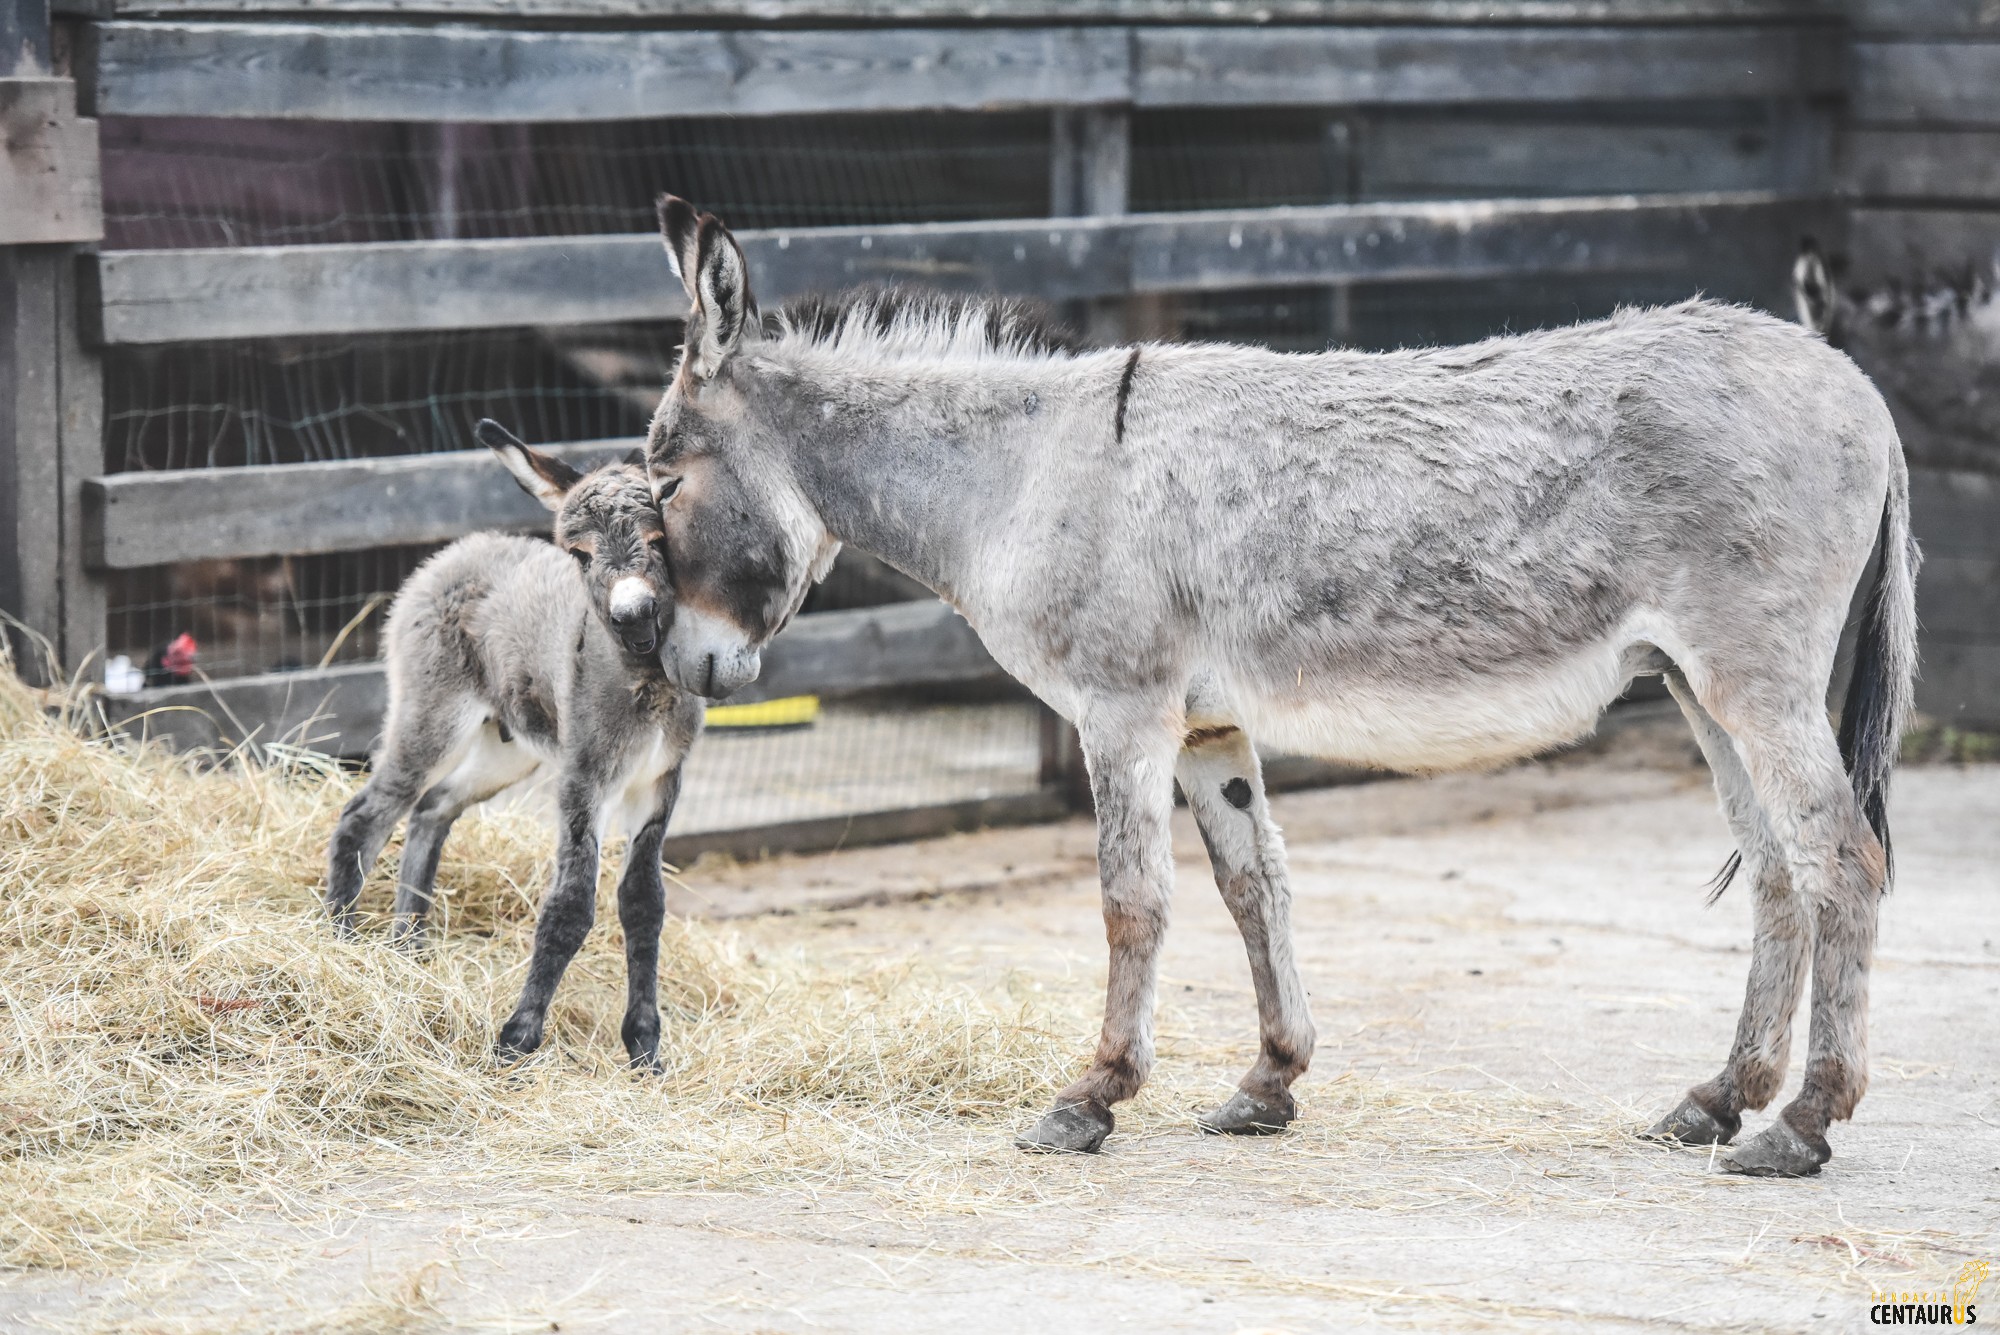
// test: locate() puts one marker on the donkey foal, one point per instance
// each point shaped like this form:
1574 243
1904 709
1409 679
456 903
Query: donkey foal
506 655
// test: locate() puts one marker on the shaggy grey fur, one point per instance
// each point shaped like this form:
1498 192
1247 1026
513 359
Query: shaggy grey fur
506 656
1419 560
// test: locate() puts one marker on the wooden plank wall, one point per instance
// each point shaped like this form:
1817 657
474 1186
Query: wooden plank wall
1920 159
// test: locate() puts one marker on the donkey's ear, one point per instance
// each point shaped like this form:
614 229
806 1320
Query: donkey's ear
543 476
723 307
680 224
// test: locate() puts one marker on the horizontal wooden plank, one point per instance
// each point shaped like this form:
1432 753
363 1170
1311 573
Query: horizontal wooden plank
164 296
1885 165
869 827
1475 155
339 710
1902 243
1924 17
1480 239
1955 514
1014 11
1933 83
378 72
1276 65
145 519
872 648
1960 683
49 189
382 72
335 710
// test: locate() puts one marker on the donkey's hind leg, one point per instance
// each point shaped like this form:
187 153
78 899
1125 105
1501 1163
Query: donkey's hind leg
1837 869
1224 784
489 766
1712 1112
424 738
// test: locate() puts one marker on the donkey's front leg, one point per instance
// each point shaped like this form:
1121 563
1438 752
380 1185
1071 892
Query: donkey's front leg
1224 784
642 909
1131 780
566 916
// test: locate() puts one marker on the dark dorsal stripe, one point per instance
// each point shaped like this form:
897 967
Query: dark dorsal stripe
1124 393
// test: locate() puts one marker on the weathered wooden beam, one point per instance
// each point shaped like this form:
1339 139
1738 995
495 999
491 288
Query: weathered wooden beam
1900 243
1933 17
1265 66
339 710
1952 514
872 648
1926 82
1486 238
381 72
378 72
1026 11
49 189
194 514
1885 165
168 296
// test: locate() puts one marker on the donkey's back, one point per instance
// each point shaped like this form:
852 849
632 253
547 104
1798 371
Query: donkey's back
1452 556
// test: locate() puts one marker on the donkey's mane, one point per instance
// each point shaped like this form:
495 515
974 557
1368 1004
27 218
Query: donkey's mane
917 322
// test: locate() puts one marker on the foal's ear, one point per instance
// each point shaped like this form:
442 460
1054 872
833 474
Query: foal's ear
543 476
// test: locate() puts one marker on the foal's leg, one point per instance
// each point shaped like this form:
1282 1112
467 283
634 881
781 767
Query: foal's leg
490 766
424 738
1837 869
1712 1112
1131 781
642 908
1224 784
568 911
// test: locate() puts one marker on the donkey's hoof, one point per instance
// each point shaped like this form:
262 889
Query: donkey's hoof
1069 1128
1692 1124
1778 1151
1247 1115
517 1042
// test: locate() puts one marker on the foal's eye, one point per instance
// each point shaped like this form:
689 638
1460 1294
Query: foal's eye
582 558
667 490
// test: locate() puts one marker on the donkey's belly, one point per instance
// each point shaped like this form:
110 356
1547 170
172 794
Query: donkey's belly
1485 719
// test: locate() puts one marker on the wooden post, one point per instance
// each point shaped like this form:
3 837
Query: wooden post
51 394
1090 170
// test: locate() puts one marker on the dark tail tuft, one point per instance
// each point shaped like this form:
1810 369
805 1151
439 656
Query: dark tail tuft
1877 707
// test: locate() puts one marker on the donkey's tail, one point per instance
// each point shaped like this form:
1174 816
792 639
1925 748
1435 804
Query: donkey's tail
1885 665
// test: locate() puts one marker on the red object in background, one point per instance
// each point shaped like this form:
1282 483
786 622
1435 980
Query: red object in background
172 663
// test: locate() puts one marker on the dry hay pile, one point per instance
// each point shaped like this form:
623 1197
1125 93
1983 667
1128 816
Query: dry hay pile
181 1032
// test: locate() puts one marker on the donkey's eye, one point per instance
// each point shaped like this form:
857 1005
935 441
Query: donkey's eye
582 558
667 490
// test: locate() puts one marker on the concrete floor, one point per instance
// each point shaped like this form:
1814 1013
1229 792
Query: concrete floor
1510 973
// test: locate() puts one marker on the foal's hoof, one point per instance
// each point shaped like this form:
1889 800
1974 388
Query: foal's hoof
1247 1115
517 1042
1069 1128
1778 1151
1692 1124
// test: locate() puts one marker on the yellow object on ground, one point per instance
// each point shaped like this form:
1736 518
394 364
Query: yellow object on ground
792 711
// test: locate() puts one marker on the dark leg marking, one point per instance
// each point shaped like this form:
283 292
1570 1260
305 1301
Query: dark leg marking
1124 393
1237 793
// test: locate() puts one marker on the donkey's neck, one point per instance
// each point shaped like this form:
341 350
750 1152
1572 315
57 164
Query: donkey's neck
923 463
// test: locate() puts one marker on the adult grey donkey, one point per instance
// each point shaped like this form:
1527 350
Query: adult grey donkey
1419 560
506 656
